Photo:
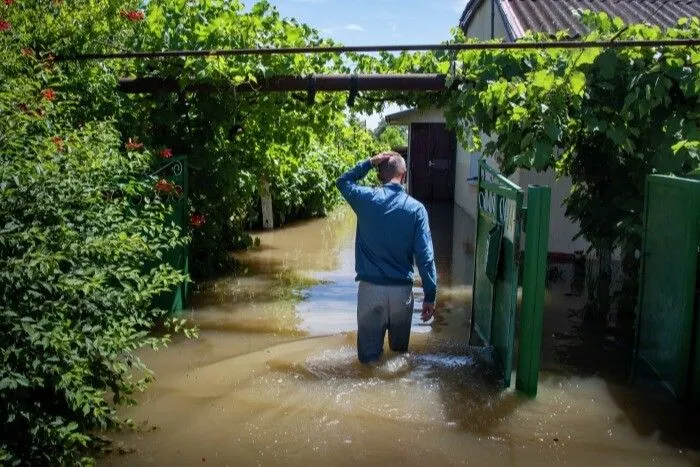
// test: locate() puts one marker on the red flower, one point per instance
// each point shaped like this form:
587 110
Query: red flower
197 220
5 26
164 186
166 153
48 94
9 2
58 141
133 144
132 15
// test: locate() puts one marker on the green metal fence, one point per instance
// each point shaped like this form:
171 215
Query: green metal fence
668 322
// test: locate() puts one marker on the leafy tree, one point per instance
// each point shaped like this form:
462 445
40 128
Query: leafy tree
392 136
239 143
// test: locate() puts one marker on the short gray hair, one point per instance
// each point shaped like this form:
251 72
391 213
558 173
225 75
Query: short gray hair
392 167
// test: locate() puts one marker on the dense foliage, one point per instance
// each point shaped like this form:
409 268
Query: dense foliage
82 235
604 117
239 144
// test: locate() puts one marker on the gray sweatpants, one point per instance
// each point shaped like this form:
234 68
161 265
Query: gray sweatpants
381 308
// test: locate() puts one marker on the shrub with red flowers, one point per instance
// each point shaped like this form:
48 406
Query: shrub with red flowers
165 187
79 271
166 153
133 15
133 144
58 142
197 220
48 94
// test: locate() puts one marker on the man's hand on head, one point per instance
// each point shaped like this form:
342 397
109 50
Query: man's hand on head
428 311
379 158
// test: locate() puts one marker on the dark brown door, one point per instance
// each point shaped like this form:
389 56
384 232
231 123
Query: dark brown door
433 149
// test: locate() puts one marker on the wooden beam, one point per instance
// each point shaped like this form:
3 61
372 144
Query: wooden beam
321 83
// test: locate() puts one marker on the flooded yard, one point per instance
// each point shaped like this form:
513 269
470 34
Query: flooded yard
274 378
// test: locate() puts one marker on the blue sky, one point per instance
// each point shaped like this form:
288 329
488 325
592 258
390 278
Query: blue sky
375 22
370 22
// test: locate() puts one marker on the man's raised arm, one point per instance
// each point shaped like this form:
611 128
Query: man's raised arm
347 183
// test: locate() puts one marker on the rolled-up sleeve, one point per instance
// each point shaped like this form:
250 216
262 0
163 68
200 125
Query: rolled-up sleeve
425 260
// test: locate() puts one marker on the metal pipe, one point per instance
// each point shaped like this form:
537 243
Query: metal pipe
387 48
327 83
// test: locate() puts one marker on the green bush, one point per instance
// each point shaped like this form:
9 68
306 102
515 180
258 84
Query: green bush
80 220
237 143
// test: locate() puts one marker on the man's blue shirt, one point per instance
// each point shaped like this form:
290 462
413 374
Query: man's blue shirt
392 229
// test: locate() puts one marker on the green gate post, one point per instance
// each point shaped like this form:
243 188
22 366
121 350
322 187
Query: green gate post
534 275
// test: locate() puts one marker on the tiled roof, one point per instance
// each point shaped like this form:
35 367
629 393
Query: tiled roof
555 15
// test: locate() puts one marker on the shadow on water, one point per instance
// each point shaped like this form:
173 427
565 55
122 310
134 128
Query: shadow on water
573 345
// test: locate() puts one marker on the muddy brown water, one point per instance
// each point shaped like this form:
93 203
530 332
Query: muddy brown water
273 378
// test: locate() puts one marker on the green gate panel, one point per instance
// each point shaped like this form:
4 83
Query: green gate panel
534 277
482 301
495 298
667 325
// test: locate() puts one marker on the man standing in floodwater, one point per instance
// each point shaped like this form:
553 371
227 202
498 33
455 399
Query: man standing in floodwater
392 229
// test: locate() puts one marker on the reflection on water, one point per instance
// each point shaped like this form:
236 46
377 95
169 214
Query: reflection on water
274 378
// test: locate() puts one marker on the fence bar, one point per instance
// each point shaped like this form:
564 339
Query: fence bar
534 274
386 48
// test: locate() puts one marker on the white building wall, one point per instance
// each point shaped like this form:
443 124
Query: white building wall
480 26
465 190
561 229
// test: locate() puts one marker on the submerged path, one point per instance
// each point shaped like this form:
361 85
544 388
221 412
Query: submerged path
273 379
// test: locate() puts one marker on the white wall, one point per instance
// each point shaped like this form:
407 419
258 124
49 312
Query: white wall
467 168
561 229
465 191
419 116
480 26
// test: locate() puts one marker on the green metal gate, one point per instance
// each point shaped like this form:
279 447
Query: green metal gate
668 322
668 330
499 224
498 227
175 170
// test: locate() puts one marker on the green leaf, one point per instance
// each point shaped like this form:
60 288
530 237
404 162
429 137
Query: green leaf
543 79
578 82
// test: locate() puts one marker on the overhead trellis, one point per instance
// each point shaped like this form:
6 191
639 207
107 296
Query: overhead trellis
311 84
340 82
387 48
